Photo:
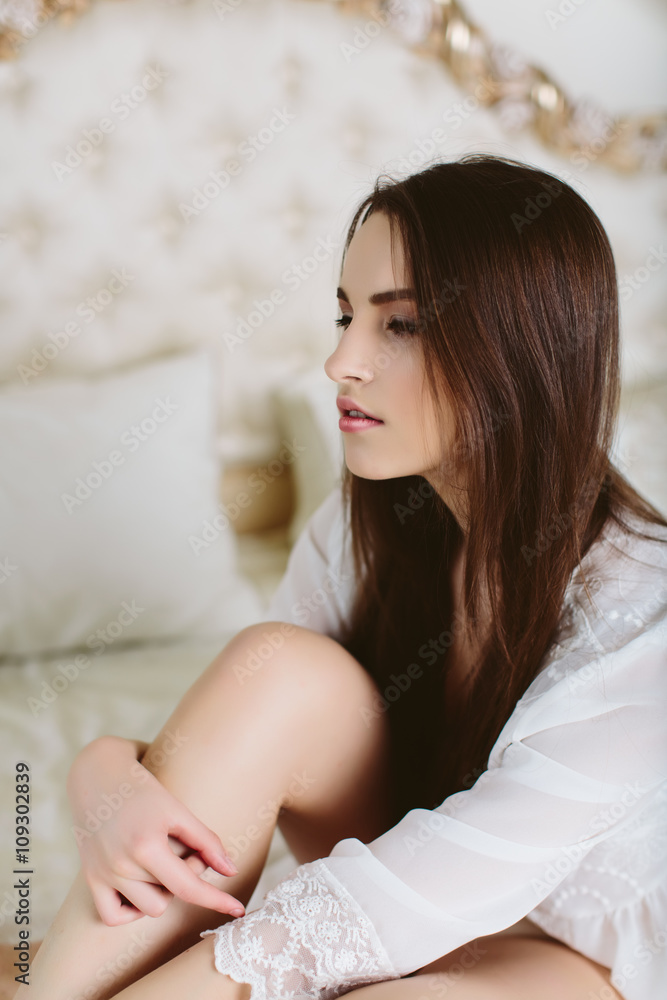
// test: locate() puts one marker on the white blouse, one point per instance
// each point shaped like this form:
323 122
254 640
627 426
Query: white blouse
568 824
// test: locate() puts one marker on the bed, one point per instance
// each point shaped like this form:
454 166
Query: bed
166 427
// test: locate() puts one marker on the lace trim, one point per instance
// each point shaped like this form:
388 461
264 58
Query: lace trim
310 939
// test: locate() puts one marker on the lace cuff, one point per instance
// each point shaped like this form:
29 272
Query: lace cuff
309 941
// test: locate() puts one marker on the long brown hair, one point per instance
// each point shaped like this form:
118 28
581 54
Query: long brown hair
517 299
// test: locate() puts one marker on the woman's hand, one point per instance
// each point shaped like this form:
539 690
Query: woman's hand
139 844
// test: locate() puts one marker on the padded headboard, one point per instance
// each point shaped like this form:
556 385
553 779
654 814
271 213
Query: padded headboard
182 172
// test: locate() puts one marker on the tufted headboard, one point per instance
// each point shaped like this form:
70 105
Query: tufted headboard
180 173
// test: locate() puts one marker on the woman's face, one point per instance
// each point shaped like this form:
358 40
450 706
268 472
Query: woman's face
379 365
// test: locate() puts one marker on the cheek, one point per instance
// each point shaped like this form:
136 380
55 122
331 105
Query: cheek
404 380
411 403
436 429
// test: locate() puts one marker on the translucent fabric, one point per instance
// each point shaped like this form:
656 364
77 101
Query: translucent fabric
568 824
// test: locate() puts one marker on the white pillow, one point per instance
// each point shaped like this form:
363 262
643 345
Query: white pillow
308 413
110 525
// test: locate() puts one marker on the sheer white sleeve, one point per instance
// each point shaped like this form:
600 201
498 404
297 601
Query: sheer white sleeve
317 587
554 828
581 759
308 938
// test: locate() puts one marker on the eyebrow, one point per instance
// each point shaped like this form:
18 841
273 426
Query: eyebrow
379 298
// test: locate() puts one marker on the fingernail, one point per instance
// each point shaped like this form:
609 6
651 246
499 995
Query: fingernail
228 862
237 912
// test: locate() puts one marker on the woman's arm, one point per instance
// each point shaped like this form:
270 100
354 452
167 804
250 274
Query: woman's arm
577 761
137 841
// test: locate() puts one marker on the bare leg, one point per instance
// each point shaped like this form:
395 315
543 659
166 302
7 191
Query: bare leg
490 968
494 968
290 736
8 971
191 974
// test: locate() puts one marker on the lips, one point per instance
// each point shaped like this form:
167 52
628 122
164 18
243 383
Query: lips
345 404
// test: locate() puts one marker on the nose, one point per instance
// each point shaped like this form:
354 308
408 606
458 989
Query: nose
347 361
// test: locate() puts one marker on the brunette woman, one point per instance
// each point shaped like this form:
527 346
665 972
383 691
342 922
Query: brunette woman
461 727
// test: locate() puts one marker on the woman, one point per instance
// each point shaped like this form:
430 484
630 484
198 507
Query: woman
454 712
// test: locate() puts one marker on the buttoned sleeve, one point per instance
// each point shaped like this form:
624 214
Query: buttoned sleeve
580 758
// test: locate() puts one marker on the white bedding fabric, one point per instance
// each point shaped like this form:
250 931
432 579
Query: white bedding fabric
567 824
129 692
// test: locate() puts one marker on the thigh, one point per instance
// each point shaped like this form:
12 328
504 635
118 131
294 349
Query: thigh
502 968
190 974
344 789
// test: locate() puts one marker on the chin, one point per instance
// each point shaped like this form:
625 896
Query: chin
372 470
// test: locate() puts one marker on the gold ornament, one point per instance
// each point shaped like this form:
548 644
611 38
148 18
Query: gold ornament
523 94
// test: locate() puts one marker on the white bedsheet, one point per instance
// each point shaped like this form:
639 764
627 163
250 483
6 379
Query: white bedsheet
128 692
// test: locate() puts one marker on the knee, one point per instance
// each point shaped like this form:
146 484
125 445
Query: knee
288 656
258 649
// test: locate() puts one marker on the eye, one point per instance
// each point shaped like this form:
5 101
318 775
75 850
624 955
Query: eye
397 325
401 326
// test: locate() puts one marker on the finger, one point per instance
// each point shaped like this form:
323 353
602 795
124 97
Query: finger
109 905
184 852
145 897
195 834
192 858
196 864
177 876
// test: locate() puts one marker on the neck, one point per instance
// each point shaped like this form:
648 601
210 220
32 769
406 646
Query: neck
455 499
